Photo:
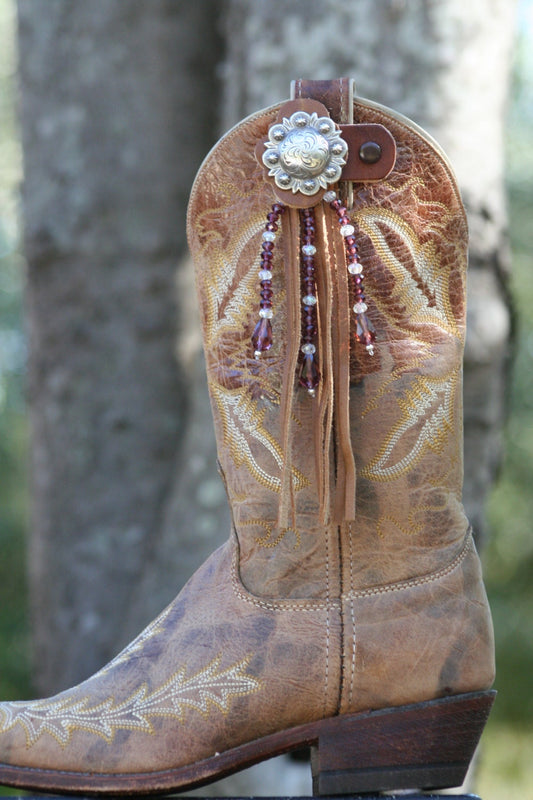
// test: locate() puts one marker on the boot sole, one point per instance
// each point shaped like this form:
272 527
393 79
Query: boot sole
425 745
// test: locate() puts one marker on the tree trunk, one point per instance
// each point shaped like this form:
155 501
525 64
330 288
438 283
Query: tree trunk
446 65
116 116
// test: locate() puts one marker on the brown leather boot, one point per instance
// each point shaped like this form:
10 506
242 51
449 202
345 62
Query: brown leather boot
347 610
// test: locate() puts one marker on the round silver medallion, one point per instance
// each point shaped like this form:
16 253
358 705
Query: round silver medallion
305 153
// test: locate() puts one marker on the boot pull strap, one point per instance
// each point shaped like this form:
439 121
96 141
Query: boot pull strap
371 147
337 95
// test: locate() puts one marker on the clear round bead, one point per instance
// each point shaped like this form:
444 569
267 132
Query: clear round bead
330 196
360 307
308 249
309 300
347 230
265 275
354 268
269 236
308 349
266 313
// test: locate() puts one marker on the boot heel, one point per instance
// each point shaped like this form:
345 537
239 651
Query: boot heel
421 746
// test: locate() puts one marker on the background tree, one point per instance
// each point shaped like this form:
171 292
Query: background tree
118 109
120 101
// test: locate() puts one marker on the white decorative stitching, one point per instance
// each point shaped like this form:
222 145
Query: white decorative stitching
327 625
352 617
414 582
62 715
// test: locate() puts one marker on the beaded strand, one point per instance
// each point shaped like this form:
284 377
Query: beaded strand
309 375
364 331
262 336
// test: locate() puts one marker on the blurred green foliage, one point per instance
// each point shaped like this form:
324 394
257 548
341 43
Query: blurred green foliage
509 557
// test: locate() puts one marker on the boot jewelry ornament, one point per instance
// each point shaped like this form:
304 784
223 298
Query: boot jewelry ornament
305 153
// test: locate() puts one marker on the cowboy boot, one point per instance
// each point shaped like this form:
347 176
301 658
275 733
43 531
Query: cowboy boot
346 612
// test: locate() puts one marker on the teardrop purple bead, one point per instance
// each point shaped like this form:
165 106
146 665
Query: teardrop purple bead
365 330
309 375
262 336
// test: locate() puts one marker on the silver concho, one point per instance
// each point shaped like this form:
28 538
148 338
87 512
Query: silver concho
305 153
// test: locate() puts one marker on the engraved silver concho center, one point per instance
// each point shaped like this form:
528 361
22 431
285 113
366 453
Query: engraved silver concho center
305 153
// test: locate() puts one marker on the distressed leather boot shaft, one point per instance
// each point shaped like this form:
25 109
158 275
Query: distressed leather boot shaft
329 243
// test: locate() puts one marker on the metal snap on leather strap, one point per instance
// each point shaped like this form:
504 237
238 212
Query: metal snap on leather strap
370 152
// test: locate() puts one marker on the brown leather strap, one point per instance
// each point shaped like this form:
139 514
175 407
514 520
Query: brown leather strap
374 140
336 95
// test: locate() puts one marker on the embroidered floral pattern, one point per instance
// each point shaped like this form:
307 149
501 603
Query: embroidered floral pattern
155 627
417 305
62 715
241 389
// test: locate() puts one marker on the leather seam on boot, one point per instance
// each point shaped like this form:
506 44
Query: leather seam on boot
276 605
352 618
342 637
326 675
411 583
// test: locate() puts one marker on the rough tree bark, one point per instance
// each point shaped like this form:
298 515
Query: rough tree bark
116 115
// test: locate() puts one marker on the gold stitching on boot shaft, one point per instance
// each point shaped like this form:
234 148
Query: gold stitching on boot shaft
419 308
236 385
266 541
422 287
419 295
60 717
422 396
412 527
241 418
